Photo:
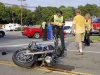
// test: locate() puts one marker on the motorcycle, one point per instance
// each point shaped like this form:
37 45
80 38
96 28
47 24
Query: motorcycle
37 54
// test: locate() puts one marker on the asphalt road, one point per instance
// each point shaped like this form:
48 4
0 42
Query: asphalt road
86 64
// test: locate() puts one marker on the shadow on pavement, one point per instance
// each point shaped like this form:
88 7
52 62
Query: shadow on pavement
67 44
61 67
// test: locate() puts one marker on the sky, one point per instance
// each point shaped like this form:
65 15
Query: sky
54 3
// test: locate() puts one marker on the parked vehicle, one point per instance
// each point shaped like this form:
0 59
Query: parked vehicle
33 32
96 26
37 54
67 29
68 26
11 26
3 32
68 23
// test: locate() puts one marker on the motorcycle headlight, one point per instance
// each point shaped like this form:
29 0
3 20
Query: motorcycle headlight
48 59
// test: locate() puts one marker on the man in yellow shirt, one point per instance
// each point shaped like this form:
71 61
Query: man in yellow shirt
79 26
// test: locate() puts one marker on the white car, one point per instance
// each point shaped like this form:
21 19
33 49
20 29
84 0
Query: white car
67 29
11 26
3 32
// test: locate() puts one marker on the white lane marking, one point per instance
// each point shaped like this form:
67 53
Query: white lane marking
14 45
84 51
22 45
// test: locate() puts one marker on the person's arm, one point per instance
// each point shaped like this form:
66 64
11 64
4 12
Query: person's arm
88 29
86 24
91 24
54 24
63 23
73 26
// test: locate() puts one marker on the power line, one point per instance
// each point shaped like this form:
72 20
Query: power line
20 5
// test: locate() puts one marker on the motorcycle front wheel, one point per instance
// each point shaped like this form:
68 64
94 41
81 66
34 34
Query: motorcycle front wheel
25 61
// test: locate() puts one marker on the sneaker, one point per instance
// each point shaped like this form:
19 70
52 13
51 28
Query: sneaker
79 53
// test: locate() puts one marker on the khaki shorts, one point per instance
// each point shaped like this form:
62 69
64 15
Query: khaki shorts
79 37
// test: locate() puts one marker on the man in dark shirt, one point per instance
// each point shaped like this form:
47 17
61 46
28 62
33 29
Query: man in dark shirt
58 22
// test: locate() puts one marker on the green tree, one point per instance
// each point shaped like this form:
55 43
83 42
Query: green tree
14 12
67 11
83 10
99 11
92 9
46 14
3 13
38 15
42 13
53 9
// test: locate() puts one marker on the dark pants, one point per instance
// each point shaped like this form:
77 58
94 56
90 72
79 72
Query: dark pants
44 34
59 33
87 38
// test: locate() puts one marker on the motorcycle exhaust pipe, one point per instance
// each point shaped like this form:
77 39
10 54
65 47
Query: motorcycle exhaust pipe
42 52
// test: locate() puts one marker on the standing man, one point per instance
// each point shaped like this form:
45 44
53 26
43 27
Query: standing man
79 26
58 22
44 30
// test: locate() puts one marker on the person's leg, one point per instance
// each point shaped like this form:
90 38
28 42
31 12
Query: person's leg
88 39
80 46
56 36
56 32
85 41
80 43
62 40
79 39
45 34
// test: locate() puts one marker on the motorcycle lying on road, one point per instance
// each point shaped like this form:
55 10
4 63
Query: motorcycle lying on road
38 54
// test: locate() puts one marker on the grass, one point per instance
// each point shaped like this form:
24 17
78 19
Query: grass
93 38
70 39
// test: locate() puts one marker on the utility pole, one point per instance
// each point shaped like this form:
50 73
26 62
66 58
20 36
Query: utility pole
13 19
27 13
21 13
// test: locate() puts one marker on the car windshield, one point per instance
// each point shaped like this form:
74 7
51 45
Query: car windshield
66 27
31 26
96 20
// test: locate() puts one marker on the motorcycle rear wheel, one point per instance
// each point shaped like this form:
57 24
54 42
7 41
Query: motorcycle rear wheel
22 60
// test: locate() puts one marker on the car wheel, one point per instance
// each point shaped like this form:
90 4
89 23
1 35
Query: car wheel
2 34
36 35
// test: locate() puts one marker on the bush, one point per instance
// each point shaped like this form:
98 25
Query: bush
19 29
